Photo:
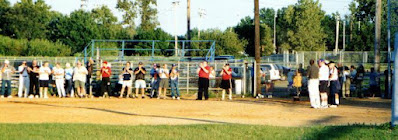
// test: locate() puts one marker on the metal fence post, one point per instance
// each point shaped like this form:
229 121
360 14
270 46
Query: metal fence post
187 77
123 50
153 50
92 47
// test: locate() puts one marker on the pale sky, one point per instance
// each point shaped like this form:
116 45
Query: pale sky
219 13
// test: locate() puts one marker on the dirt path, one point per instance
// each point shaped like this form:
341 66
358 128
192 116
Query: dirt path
278 112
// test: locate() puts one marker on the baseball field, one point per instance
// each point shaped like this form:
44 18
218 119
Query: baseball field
241 118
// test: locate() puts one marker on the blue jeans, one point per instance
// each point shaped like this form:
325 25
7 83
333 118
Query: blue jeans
174 88
3 87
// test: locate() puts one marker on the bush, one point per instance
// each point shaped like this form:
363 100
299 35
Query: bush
36 47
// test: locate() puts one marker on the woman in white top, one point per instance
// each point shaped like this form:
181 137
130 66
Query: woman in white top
44 76
164 80
59 74
79 77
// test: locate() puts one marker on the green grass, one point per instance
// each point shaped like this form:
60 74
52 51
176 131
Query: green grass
212 131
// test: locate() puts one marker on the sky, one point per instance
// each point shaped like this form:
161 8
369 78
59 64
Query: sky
220 14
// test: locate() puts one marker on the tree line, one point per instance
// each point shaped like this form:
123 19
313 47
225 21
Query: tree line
31 28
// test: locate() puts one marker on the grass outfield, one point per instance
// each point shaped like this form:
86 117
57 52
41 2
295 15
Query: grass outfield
205 131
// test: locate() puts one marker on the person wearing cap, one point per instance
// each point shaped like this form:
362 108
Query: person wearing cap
79 79
334 85
6 75
59 74
44 77
23 80
313 84
174 74
127 82
69 80
226 82
34 79
106 73
203 72
140 79
155 80
323 83
164 74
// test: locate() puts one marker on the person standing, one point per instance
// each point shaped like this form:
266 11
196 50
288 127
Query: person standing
90 67
203 71
164 80
79 78
6 75
226 82
373 82
106 73
313 84
44 77
174 74
34 80
334 85
23 80
323 83
155 80
346 82
69 80
59 74
127 82
297 85
140 80
359 80
353 77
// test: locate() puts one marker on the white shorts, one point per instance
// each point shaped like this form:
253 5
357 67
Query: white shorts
128 83
140 84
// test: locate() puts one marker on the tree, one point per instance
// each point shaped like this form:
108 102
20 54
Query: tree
148 14
129 10
28 19
307 34
4 8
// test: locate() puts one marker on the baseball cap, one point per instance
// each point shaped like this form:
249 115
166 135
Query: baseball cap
6 62
173 65
105 62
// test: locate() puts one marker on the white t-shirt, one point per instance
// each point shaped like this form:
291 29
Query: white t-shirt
44 73
59 71
23 70
163 72
334 74
323 73
80 74
212 74
175 75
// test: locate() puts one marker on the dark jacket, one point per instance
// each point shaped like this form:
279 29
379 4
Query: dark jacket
313 72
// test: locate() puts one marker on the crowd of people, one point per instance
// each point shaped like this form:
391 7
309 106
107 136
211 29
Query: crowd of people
34 80
327 83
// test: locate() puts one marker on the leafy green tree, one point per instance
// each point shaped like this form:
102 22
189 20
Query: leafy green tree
148 14
307 34
28 19
4 8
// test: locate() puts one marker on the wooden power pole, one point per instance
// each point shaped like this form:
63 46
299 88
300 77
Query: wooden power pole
257 44
377 36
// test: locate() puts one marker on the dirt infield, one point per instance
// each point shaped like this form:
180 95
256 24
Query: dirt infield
277 112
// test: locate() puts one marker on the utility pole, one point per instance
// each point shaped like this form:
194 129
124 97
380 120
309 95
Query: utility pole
202 13
336 48
389 50
377 36
276 15
175 5
344 35
189 23
257 44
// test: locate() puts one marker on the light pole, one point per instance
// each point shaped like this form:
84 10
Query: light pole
276 15
202 13
175 5
336 49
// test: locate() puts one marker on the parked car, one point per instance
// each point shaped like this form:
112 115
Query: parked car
272 70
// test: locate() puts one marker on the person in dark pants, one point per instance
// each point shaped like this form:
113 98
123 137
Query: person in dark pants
89 67
106 73
69 80
34 79
203 72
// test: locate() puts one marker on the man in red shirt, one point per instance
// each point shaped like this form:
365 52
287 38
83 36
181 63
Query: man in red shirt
106 73
226 82
203 72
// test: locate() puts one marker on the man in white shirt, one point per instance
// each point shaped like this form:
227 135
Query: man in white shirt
44 77
79 78
323 82
164 80
59 74
23 80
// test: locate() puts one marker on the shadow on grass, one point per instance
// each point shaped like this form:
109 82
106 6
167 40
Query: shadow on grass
126 113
